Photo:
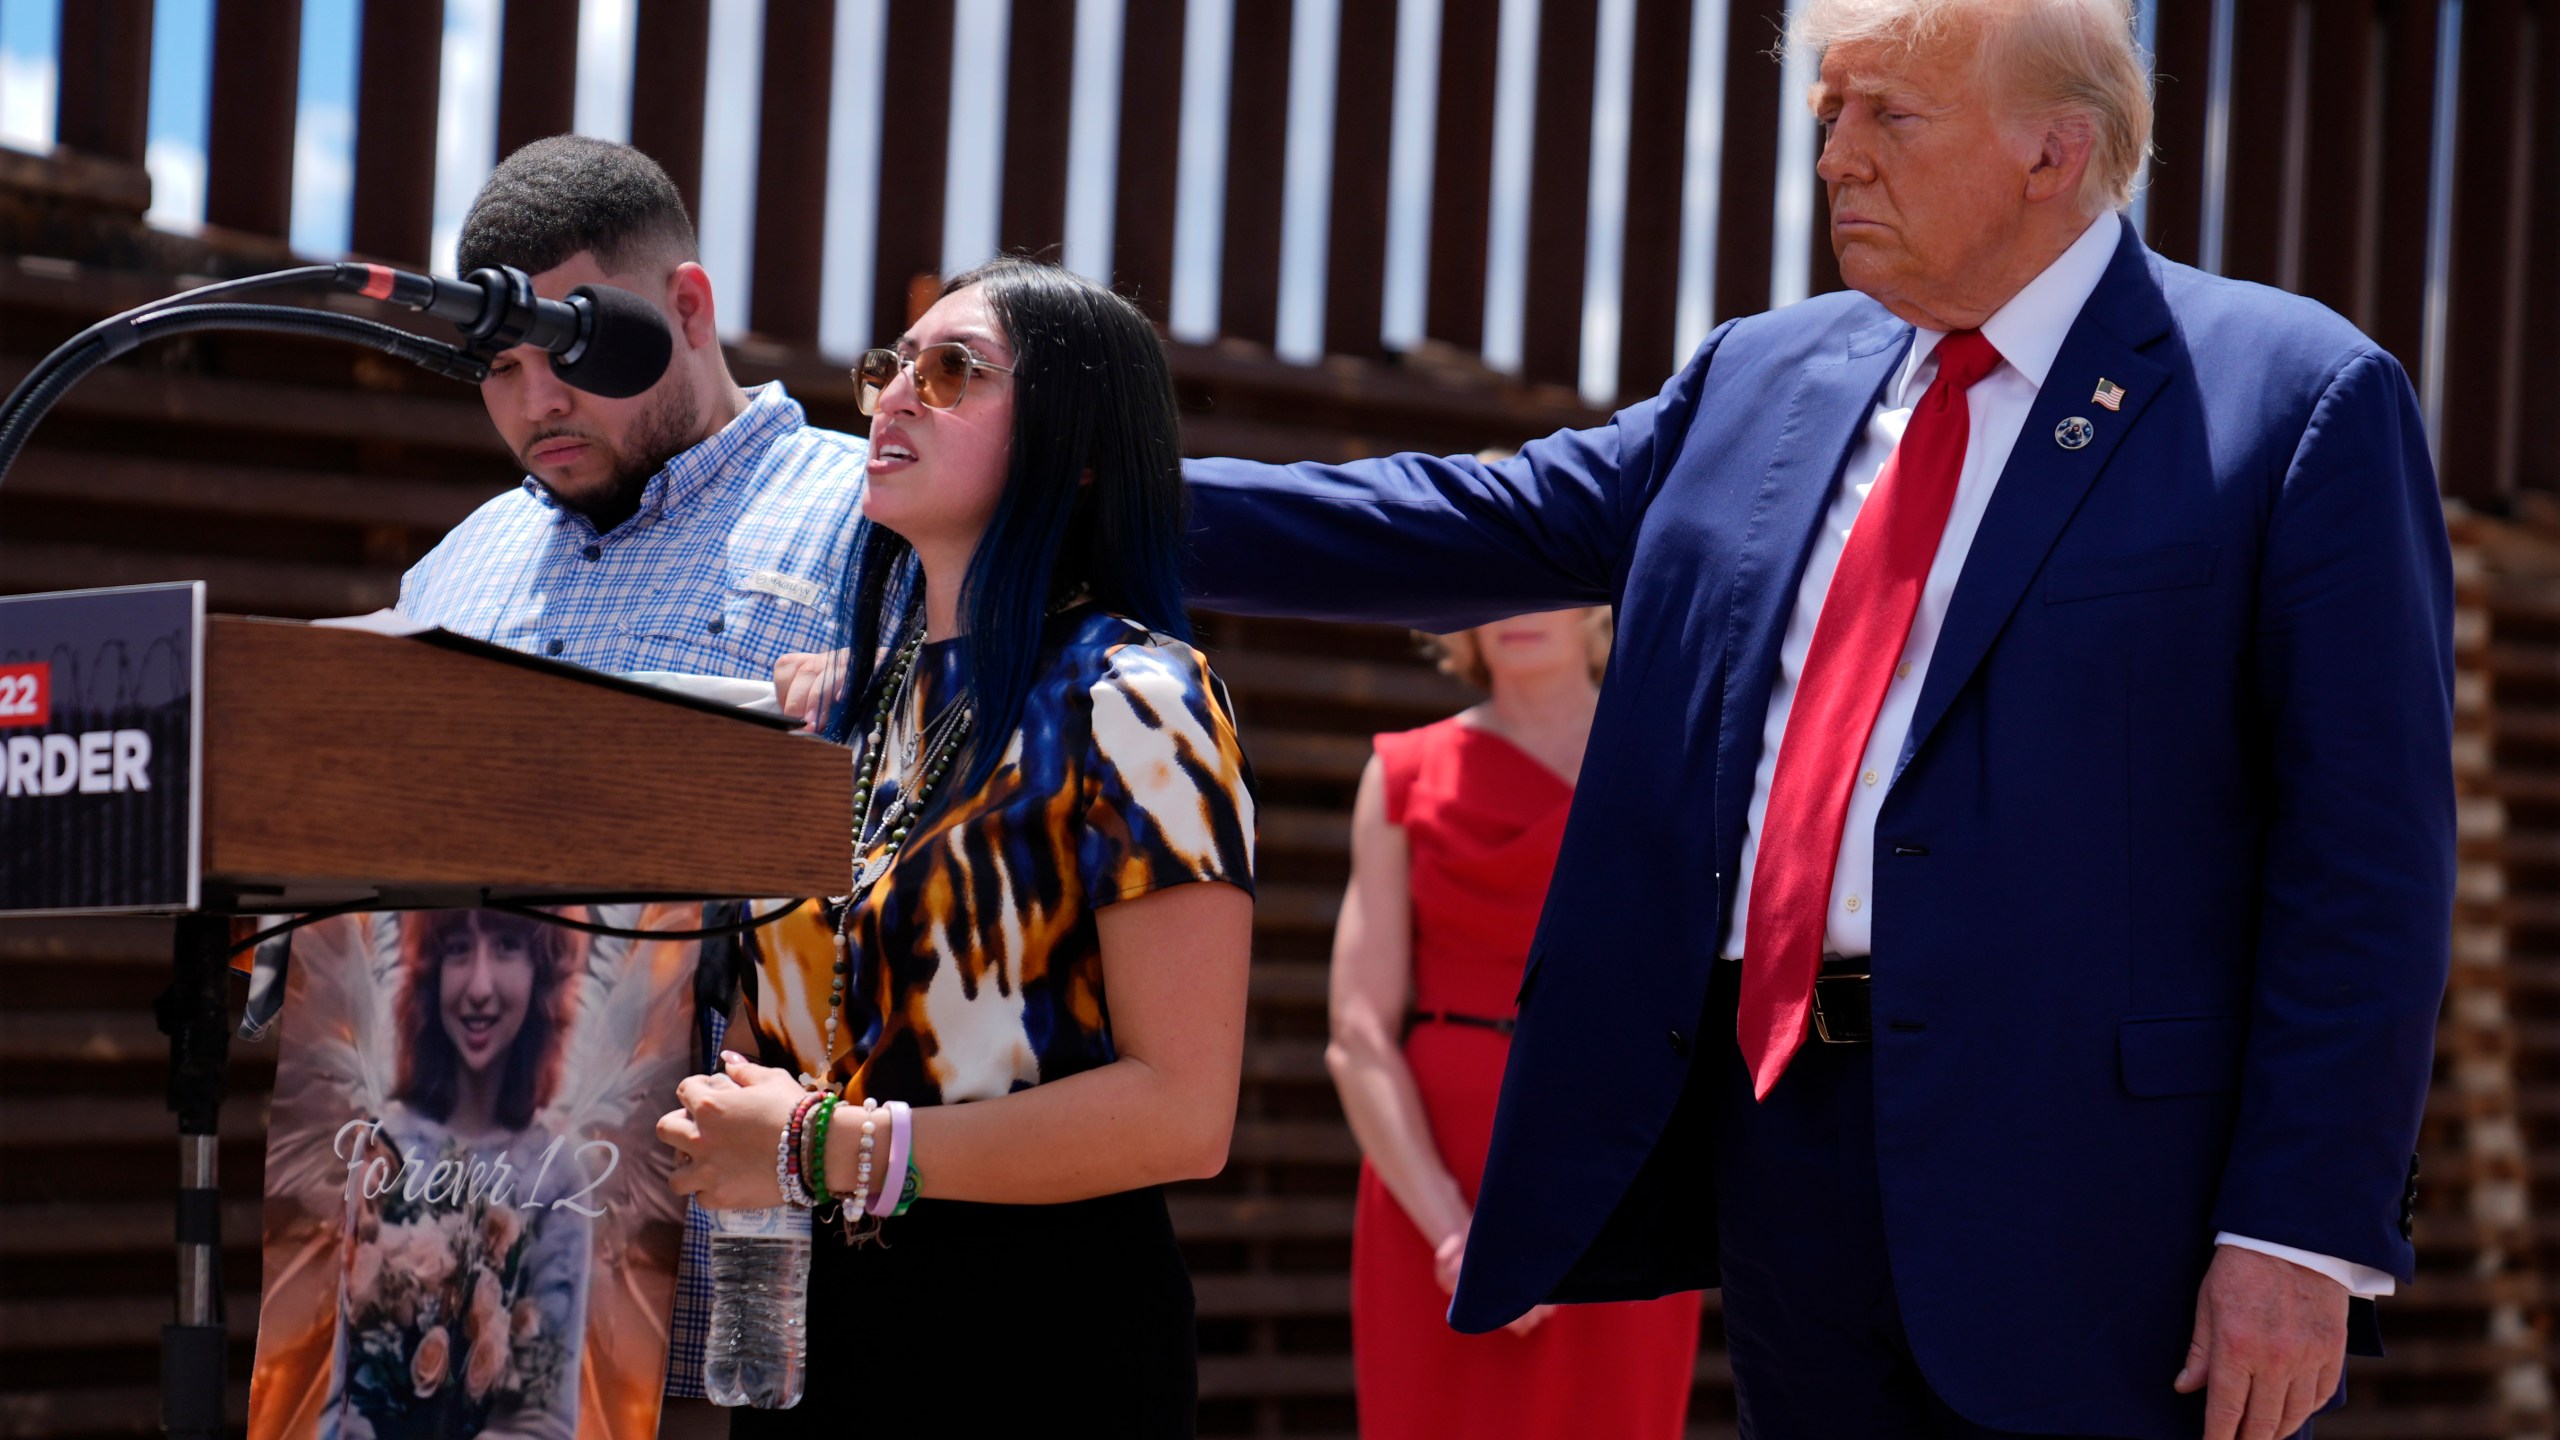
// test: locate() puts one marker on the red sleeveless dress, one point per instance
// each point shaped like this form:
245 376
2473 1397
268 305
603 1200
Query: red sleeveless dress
1483 819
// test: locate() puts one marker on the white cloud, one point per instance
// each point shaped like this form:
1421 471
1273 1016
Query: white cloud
1200 169
26 100
1409 163
973 176
1306 186
607 40
853 178
466 119
733 98
1506 243
1093 137
177 184
324 178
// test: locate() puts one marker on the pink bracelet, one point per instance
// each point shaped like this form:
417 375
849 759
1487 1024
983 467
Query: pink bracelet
900 1119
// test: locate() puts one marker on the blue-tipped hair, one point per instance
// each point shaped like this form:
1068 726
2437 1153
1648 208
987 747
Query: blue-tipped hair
1092 395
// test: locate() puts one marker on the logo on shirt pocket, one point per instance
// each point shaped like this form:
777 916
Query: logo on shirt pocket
787 587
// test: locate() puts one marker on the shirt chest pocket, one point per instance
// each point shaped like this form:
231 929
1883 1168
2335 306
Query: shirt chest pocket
743 625
2178 567
688 628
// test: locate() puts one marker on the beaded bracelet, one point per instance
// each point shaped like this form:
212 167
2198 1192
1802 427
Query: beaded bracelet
782 1161
885 1203
787 1162
799 1136
870 1137
817 1165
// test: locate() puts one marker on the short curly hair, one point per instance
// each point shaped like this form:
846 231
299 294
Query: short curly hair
570 193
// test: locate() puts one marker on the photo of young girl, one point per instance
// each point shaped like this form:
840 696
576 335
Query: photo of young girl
466 1230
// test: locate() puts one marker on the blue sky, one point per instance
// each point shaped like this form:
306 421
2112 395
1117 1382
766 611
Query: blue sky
29 36
467 124
324 148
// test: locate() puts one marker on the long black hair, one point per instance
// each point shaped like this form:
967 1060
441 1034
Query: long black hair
1093 395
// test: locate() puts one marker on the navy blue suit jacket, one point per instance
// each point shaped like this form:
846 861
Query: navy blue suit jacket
2163 890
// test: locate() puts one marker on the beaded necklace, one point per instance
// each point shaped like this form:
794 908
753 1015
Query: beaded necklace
886 829
938 741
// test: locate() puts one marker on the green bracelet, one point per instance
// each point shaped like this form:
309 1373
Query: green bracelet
908 1188
817 1167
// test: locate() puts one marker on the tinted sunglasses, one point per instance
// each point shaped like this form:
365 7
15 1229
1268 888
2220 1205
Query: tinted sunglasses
941 371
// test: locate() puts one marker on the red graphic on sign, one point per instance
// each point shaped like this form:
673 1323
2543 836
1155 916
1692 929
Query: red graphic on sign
26 694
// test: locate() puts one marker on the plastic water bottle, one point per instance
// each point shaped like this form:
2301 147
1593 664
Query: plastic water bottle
759 1347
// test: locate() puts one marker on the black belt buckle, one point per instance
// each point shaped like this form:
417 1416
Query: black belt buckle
1498 1024
1843 1013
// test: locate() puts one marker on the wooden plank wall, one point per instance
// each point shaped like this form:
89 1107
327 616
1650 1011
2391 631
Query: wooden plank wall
301 483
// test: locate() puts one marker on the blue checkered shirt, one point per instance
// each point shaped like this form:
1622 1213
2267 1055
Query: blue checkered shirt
740 552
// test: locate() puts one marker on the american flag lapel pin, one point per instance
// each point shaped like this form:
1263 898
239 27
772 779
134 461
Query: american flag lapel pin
2110 394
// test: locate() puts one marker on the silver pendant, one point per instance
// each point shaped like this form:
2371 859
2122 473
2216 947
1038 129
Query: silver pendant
868 872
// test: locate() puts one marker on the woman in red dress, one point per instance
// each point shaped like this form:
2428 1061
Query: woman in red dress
1454 838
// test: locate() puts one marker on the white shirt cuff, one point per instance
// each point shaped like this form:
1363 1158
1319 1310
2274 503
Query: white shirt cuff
2362 1281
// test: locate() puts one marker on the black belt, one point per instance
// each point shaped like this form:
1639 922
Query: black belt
1502 1025
1842 1012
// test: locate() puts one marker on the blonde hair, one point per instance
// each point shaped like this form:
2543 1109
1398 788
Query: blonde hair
2054 59
1459 655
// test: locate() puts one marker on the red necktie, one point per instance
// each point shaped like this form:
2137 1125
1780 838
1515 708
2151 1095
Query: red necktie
1857 642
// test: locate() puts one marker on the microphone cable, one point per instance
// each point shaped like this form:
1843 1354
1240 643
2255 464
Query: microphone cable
181 314
79 344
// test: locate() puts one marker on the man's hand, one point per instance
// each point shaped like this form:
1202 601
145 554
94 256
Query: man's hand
2270 1340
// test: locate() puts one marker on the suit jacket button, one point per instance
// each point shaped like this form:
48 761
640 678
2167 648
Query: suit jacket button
1679 1045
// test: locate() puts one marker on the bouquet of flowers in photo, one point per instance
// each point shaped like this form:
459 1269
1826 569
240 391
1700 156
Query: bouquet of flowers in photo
441 1329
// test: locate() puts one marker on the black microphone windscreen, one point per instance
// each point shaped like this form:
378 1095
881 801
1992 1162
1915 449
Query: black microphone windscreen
626 351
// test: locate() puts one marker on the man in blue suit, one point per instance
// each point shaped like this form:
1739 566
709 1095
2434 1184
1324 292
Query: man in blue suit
1999 934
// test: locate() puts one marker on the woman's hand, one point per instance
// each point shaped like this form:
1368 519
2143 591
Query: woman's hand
1450 1254
726 1132
1535 1317
801 682
1446 1257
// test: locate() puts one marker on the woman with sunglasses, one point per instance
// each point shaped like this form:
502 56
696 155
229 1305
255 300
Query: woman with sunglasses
1028 1014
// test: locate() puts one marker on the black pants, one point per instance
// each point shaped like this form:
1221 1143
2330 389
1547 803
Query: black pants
999 1320
1819 1352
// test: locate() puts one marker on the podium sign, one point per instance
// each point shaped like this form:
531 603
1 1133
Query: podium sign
101 713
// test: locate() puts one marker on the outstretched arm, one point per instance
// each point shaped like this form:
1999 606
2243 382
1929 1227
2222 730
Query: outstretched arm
1438 543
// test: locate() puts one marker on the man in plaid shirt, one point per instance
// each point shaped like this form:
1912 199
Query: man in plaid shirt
696 527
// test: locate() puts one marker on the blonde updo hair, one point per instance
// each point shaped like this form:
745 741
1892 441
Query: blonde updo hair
2070 60
1459 654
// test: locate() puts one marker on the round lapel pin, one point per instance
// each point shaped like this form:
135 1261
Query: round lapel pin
2075 433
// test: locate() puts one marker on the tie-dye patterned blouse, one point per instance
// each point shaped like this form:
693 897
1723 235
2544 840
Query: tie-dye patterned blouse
977 966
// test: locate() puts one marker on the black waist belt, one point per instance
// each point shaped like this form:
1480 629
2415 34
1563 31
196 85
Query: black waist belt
1502 1025
1842 1012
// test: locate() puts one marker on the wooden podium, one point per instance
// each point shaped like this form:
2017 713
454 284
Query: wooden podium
346 769
341 766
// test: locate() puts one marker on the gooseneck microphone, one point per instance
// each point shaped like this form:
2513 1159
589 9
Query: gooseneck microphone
603 340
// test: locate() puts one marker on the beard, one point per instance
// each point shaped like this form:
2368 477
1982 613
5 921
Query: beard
664 430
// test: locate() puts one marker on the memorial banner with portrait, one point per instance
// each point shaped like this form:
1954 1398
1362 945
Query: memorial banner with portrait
467 1228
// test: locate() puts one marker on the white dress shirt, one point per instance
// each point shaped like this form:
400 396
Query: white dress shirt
2028 332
